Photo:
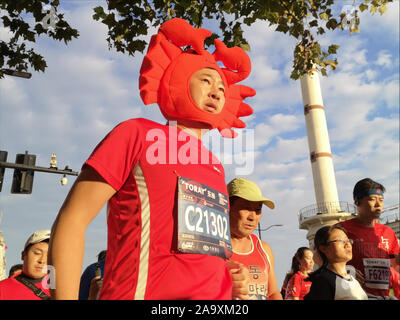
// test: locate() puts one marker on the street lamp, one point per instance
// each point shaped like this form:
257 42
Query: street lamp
267 228
15 73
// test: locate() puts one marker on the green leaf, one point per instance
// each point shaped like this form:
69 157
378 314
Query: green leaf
99 13
332 24
282 28
185 3
332 49
245 46
324 16
363 7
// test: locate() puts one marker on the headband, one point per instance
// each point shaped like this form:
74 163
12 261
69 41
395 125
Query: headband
367 193
166 71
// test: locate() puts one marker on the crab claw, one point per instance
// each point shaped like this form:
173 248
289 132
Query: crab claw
181 33
234 59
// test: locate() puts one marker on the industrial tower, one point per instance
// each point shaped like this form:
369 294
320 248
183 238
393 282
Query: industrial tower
328 209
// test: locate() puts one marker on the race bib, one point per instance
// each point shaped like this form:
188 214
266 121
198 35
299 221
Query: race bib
377 273
203 220
257 283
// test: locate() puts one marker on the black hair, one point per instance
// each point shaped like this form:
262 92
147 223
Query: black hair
232 199
102 255
295 261
14 268
321 239
363 186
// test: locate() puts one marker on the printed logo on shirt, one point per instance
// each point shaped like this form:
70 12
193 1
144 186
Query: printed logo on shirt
384 243
257 283
255 272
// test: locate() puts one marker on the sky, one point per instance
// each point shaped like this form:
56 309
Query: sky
88 89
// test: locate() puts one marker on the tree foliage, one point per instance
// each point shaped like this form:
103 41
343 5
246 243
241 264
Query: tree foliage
129 21
26 20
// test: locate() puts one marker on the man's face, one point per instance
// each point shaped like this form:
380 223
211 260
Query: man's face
35 259
370 206
244 217
208 90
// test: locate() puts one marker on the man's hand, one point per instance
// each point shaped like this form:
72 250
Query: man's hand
240 280
95 287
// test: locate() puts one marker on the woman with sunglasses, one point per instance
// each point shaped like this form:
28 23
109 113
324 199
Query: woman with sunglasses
331 281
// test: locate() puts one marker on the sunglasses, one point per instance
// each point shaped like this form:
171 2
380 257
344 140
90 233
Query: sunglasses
350 241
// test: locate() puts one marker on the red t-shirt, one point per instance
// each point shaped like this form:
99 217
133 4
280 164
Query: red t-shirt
372 249
258 264
142 160
12 289
297 286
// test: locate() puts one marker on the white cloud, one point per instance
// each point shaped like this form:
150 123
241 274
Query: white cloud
274 126
288 150
264 75
384 59
390 93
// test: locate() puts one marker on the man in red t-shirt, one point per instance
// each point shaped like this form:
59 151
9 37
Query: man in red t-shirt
375 245
163 187
30 284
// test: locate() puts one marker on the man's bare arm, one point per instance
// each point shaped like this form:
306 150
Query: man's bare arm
84 201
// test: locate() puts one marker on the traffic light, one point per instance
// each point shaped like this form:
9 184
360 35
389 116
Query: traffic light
3 158
23 178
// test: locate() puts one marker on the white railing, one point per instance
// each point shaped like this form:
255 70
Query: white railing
327 207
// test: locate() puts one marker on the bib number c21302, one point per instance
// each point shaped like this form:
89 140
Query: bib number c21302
203 220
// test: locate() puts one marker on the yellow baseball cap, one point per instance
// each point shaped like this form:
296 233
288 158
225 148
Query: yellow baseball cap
248 190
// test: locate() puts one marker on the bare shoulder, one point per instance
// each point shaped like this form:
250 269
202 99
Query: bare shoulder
266 247
269 252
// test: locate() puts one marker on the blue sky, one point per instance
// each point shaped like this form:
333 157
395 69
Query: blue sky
88 89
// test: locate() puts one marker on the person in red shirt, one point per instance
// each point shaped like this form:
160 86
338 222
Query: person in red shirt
31 283
375 246
246 201
160 180
302 265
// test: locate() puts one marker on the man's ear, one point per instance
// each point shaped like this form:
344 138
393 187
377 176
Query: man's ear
23 255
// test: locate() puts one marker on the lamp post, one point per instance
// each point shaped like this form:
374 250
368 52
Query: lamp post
24 168
267 228
15 73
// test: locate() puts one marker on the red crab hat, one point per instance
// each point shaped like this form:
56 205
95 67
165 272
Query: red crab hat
166 71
